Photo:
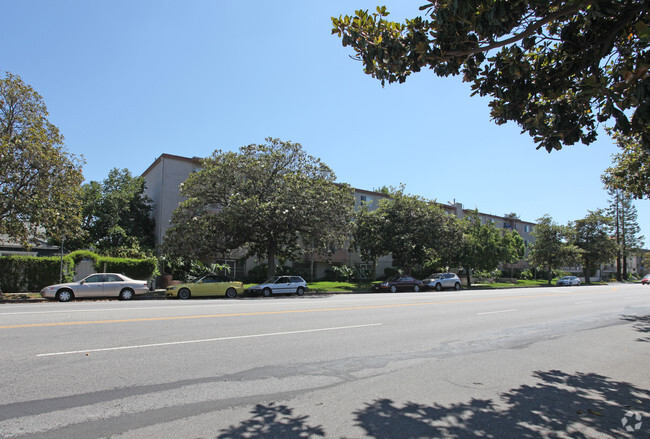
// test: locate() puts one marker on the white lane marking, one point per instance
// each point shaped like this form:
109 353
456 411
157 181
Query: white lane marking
495 312
205 340
632 297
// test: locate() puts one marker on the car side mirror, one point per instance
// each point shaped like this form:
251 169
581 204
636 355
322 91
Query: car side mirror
82 282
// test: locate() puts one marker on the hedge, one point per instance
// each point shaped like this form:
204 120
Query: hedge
134 268
30 273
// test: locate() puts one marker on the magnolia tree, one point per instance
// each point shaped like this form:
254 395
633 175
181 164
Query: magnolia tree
484 246
39 180
414 230
591 235
557 68
552 249
273 200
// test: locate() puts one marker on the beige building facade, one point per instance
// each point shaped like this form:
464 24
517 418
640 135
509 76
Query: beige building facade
165 175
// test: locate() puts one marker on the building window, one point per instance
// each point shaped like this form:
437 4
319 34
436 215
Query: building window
363 198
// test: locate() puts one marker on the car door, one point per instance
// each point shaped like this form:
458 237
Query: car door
208 286
92 286
449 280
282 285
404 283
112 285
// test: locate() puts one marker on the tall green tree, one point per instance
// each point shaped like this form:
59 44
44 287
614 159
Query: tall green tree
551 249
413 230
368 235
116 216
485 246
39 180
630 170
557 68
625 228
273 199
591 235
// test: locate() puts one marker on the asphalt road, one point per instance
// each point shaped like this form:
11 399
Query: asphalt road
568 362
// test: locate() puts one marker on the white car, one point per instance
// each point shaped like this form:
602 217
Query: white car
281 285
97 285
568 281
438 281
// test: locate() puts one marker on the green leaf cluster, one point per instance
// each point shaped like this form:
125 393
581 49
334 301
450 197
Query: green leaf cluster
484 246
116 217
273 200
414 230
552 248
39 180
591 235
557 68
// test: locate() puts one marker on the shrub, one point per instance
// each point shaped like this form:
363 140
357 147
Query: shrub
20 274
527 274
133 268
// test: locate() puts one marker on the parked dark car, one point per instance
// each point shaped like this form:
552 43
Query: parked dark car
399 283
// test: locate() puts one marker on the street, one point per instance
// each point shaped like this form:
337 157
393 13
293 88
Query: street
562 362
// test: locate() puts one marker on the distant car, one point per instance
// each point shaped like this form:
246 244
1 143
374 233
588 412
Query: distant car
397 283
207 286
568 281
645 280
97 285
438 281
280 285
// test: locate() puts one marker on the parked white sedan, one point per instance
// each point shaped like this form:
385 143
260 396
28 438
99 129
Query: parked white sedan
97 285
568 281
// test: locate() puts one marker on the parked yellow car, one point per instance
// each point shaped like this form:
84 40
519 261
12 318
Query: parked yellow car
206 286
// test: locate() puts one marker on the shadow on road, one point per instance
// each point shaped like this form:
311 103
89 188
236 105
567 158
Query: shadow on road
640 324
580 405
273 421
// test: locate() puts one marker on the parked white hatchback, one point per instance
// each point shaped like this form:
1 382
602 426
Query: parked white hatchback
97 285
280 285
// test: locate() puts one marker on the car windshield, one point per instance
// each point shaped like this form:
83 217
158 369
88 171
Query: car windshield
435 276
272 280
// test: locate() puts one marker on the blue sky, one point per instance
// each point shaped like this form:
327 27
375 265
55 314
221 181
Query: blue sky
126 81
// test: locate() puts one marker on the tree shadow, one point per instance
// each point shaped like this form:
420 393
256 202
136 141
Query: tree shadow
640 324
580 406
273 421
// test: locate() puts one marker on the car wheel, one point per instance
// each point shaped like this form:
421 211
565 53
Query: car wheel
393 289
438 287
267 292
416 288
300 291
231 293
126 294
184 294
64 296
457 286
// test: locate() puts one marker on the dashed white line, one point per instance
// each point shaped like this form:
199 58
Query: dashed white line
584 301
205 340
495 312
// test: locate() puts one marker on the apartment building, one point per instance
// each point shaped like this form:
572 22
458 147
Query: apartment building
164 176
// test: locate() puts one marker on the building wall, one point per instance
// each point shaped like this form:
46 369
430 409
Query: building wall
163 179
167 172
